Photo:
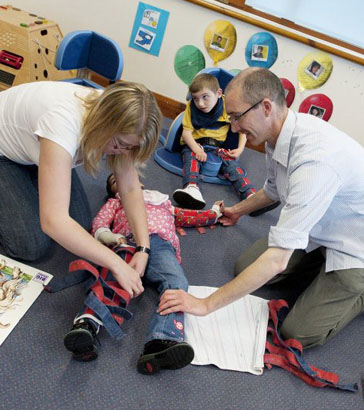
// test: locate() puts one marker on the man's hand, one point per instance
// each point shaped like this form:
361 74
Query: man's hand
139 262
174 300
229 217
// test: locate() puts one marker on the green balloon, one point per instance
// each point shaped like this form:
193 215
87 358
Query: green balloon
235 71
188 61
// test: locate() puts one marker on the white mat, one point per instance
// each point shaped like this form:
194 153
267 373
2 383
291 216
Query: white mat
231 338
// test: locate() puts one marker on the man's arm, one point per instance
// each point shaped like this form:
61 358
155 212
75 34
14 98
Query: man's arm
272 262
232 214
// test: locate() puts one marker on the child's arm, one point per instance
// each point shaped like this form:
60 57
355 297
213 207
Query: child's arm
101 224
108 238
194 146
235 153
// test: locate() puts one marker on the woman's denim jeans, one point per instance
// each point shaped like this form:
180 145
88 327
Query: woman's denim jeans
21 236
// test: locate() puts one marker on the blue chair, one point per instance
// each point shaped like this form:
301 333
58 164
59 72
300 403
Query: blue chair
89 52
169 156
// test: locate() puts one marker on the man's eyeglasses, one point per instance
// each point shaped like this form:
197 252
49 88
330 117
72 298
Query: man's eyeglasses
236 118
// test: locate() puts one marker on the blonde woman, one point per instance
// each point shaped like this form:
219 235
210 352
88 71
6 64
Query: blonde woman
46 129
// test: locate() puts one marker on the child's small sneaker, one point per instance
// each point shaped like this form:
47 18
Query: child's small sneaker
80 340
164 354
189 197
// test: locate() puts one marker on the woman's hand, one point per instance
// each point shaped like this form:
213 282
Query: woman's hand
129 279
177 300
139 262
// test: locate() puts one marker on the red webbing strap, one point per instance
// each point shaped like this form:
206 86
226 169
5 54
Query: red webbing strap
224 154
122 293
280 355
276 360
98 289
80 264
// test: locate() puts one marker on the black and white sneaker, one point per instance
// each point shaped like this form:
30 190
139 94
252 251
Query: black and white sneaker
189 197
164 354
81 341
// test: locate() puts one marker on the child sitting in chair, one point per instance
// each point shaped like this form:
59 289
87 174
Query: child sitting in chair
205 129
164 347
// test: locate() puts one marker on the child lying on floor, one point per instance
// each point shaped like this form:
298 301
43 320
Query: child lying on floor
164 346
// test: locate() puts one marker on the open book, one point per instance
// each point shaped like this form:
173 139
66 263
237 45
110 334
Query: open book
232 337
20 285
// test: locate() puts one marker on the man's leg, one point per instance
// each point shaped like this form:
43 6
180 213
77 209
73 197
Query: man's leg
300 261
331 301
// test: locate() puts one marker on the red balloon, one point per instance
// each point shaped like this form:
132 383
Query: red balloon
290 91
319 105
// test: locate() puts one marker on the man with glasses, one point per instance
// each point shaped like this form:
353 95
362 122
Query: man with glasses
317 172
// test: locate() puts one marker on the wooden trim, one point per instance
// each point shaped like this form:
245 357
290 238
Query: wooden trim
170 108
284 32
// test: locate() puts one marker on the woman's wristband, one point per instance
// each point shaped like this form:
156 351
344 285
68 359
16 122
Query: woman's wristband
142 249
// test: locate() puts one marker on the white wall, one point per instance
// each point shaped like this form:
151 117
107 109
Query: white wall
186 25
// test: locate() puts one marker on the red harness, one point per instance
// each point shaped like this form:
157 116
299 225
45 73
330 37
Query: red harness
288 354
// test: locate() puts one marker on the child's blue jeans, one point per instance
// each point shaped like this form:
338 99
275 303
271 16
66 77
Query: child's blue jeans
162 272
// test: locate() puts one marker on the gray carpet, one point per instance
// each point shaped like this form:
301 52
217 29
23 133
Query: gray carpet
39 373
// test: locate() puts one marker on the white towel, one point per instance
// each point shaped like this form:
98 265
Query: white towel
231 338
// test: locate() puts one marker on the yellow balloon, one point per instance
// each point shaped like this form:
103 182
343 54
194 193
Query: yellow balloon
314 70
220 40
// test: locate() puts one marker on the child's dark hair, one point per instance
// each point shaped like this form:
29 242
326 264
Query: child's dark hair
204 80
110 194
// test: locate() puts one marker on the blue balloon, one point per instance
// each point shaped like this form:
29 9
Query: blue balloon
261 50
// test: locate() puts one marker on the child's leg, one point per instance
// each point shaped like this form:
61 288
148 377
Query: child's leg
238 177
164 272
191 167
164 348
105 305
189 196
80 340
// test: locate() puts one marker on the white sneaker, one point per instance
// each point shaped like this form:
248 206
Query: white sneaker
189 197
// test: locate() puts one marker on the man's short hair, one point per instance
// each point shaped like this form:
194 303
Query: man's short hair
257 84
204 80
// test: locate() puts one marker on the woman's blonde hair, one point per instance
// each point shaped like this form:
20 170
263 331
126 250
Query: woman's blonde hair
123 108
